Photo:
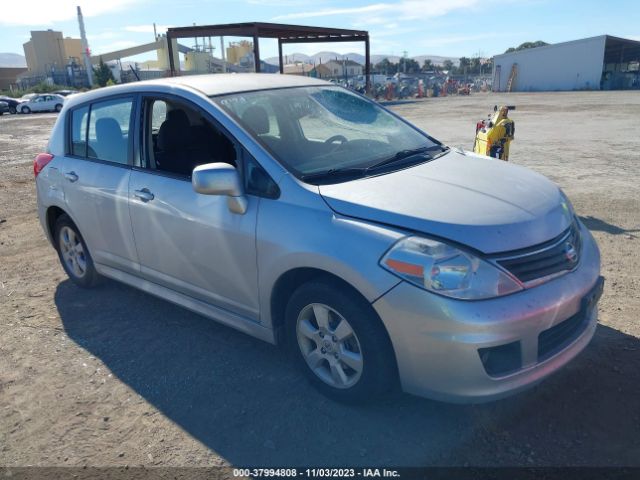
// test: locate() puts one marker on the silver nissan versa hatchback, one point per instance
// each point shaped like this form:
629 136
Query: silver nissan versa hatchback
304 214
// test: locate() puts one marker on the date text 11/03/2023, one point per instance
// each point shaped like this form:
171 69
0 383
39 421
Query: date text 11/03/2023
316 472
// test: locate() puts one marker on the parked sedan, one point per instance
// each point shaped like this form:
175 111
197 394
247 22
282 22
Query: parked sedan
309 216
65 93
12 103
42 103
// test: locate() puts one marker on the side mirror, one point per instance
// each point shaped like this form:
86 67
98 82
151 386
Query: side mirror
220 179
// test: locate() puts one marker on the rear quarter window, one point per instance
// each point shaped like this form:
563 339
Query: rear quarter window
79 119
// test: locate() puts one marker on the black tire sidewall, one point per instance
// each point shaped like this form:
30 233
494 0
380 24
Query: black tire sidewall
379 362
58 108
90 277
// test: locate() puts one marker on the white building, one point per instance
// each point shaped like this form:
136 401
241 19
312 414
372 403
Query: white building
596 63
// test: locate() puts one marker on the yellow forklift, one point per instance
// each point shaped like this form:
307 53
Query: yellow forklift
494 135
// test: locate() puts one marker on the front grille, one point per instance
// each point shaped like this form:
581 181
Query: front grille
556 338
558 255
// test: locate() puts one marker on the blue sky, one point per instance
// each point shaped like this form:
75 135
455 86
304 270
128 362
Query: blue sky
436 27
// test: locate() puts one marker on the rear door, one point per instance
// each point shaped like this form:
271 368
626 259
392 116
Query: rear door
96 173
49 103
38 104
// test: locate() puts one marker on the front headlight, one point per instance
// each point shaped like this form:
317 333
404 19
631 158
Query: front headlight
447 270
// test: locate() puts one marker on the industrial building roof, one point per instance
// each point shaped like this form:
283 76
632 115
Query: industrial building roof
618 50
286 33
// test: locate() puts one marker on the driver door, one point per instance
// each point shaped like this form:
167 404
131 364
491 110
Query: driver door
186 241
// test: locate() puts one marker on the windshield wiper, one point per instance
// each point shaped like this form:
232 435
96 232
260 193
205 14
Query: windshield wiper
333 173
404 154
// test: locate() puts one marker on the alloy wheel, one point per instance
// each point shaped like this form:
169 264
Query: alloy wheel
72 251
329 346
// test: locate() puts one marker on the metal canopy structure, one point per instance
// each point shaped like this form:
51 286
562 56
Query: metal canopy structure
284 33
620 50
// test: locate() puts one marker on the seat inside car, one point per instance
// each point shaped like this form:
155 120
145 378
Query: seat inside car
174 141
256 119
110 143
182 145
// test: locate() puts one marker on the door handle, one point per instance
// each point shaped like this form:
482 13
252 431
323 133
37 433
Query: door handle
71 176
145 195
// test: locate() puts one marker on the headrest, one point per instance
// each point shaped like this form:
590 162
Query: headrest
256 119
175 131
108 130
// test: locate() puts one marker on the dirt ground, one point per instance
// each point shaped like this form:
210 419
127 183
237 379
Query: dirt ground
114 376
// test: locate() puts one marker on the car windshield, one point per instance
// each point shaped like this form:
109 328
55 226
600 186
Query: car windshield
327 133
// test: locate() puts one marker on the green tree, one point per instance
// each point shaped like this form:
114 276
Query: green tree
464 65
103 74
447 65
427 65
386 67
525 45
409 65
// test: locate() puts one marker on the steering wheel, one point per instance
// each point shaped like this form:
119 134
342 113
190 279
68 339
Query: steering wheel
336 138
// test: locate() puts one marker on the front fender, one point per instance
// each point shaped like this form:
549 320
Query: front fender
307 234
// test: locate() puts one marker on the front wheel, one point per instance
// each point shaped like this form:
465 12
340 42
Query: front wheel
58 107
339 342
74 254
25 110
12 110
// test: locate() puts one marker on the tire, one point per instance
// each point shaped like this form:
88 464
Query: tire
12 110
74 254
58 107
358 367
25 110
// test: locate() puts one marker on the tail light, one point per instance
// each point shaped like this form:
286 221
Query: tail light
40 162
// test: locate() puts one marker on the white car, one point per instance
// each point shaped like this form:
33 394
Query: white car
42 103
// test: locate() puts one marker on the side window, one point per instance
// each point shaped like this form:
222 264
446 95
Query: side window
257 181
79 119
109 126
178 137
158 115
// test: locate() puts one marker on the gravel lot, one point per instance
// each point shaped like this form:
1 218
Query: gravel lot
116 377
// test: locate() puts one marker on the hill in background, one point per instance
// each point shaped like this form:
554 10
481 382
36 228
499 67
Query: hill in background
12 60
324 57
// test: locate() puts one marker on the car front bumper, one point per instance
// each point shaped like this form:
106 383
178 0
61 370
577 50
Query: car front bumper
438 341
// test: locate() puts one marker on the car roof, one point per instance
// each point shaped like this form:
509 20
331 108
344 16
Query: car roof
210 84
224 83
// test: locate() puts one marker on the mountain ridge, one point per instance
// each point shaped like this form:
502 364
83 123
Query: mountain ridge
12 60
324 57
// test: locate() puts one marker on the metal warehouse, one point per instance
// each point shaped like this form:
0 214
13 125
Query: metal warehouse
596 63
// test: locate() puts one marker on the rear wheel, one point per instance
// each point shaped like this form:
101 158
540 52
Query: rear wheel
74 254
12 110
339 342
25 110
58 107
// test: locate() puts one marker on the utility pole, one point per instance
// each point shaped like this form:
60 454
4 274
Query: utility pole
85 48
224 60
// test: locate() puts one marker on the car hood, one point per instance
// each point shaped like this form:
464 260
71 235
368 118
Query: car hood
487 204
